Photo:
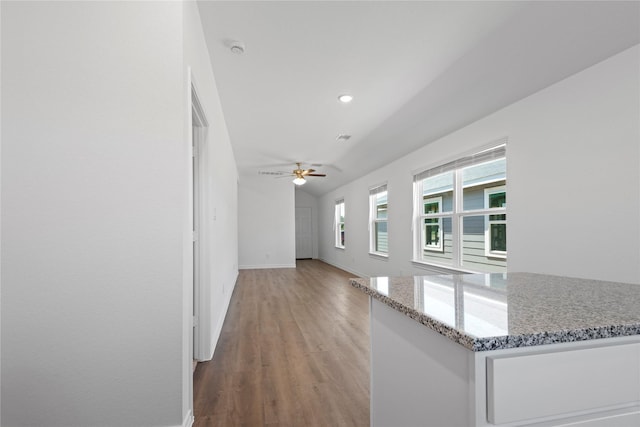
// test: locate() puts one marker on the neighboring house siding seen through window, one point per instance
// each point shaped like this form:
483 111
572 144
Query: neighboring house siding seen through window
339 223
460 217
378 220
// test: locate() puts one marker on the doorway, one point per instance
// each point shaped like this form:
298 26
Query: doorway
198 196
304 234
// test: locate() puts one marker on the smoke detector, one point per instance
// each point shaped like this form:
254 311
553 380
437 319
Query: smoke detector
235 46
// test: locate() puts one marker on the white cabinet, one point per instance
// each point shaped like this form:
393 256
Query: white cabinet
545 384
421 378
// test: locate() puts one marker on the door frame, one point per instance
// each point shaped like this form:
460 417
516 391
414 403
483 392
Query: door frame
311 236
199 203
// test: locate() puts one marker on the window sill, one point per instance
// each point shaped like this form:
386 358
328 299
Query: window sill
496 256
433 249
439 268
379 255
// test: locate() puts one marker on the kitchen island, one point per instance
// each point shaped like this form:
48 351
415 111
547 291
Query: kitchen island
503 350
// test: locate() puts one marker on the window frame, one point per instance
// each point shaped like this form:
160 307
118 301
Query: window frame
339 220
374 192
494 151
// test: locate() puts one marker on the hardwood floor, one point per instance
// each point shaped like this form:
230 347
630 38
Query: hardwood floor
294 351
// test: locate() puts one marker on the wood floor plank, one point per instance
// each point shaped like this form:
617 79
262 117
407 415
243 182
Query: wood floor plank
293 351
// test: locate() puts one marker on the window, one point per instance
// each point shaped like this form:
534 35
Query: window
378 220
339 221
460 218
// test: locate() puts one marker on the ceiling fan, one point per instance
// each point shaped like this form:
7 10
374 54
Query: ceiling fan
298 173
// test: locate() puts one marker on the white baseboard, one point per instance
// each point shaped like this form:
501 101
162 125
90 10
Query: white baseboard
188 419
220 322
262 266
347 269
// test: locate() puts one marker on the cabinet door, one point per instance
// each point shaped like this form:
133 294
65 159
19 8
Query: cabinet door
563 383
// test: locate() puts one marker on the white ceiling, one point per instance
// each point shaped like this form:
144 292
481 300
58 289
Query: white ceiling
418 70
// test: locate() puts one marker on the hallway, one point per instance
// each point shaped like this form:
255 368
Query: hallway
294 351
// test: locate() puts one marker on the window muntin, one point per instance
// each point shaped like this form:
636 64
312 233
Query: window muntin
378 220
461 213
339 221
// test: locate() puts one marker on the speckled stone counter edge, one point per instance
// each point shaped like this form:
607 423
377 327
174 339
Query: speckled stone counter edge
501 342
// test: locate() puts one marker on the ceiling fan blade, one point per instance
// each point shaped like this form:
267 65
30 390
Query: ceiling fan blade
316 174
274 173
307 172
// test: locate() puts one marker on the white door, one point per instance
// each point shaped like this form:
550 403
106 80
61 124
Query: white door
304 234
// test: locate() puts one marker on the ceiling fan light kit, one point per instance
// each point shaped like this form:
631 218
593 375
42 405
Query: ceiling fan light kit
299 180
345 98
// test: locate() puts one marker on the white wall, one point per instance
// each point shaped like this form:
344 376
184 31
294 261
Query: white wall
573 181
306 200
95 211
266 223
219 219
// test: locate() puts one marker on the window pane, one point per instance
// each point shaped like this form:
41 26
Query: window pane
339 220
477 244
495 170
381 210
381 237
438 189
477 178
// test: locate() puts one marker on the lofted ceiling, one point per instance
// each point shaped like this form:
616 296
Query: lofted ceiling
417 70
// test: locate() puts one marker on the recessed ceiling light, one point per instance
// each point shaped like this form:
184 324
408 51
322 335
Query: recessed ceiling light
342 137
345 99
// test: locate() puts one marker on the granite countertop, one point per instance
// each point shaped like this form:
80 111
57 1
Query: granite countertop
498 311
